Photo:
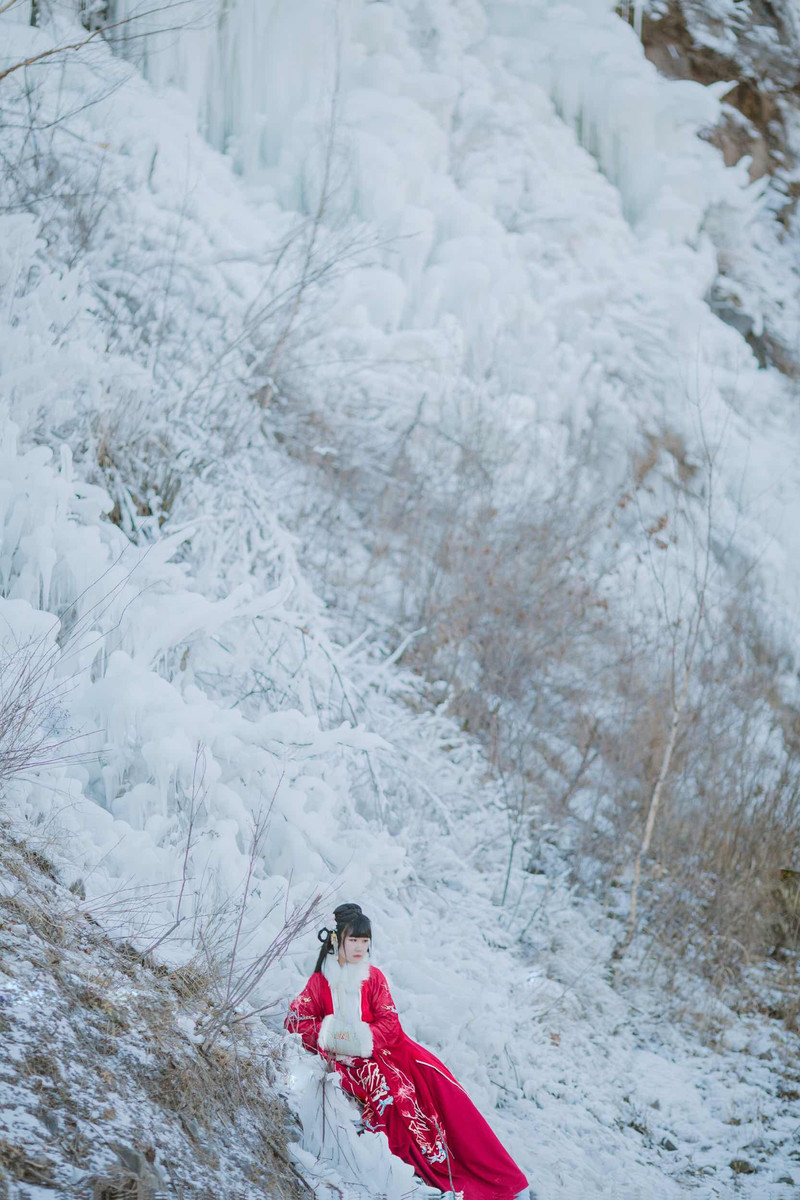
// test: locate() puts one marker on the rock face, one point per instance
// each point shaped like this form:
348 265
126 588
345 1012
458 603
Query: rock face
756 46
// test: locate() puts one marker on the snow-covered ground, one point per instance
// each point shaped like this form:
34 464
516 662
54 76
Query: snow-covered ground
199 672
102 1088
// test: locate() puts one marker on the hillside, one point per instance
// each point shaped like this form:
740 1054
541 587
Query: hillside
103 1089
360 485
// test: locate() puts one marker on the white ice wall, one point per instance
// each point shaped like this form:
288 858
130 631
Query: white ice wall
262 75
251 68
540 203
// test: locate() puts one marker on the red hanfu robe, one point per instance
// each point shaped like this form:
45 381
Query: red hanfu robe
405 1091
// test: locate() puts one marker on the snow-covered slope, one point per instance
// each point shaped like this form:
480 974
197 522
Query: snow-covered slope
200 675
102 1089
596 1092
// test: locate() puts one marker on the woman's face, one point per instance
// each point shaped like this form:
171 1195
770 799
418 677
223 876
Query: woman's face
354 950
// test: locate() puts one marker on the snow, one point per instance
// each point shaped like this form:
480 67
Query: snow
526 232
99 1077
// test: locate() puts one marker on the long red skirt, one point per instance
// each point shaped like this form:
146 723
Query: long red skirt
431 1123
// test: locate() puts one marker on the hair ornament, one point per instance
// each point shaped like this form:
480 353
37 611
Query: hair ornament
323 934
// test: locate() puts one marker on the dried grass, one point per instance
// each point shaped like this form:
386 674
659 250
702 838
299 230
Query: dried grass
37 917
211 1093
514 631
20 1165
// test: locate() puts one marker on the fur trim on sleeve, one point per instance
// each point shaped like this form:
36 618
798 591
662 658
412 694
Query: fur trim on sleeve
338 1038
363 1040
324 1041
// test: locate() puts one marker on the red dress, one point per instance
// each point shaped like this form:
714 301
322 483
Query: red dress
408 1094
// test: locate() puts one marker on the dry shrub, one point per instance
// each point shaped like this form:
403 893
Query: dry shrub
21 1165
719 881
140 469
504 605
37 917
733 825
208 1092
190 981
786 895
36 677
30 708
515 631
121 1187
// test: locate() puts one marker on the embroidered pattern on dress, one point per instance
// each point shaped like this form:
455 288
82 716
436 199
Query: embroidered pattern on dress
380 1094
424 1130
378 1097
300 1019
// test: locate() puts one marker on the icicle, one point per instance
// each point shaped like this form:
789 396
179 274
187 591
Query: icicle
251 68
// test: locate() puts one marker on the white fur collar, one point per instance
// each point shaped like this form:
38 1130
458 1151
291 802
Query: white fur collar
347 977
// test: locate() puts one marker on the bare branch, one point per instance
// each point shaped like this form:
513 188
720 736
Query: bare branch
101 29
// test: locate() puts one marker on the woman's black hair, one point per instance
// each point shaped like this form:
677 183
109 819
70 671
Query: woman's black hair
350 922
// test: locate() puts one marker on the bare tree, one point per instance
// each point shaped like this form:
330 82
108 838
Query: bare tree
687 617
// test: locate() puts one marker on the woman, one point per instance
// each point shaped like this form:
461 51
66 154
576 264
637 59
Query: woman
346 1013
